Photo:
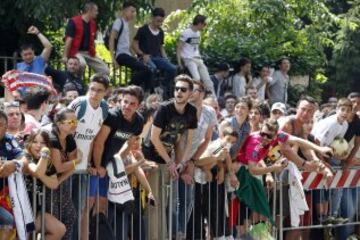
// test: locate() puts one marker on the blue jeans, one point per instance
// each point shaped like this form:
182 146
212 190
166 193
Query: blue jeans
335 194
169 70
348 209
183 202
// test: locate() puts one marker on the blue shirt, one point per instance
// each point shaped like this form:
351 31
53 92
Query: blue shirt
36 66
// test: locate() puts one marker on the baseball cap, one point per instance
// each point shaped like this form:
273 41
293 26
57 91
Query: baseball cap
279 106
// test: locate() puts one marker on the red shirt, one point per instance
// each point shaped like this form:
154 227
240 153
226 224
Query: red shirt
254 151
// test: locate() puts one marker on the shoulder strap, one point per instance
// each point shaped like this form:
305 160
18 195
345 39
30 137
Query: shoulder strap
120 32
82 109
105 109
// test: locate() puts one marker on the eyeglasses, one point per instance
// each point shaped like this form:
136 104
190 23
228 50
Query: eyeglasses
70 122
198 90
182 89
267 135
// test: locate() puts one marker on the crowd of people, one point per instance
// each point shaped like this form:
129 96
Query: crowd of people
197 161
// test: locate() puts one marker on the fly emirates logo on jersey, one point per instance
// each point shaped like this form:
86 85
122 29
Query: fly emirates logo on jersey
87 136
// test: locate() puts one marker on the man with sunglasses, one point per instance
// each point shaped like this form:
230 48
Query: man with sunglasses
253 153
171 121
202 136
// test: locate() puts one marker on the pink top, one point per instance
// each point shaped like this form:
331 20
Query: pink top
254 151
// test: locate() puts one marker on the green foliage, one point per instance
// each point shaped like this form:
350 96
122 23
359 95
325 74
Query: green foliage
50 17
263 30
343 67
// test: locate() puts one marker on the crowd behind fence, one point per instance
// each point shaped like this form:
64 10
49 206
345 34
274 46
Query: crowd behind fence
347 180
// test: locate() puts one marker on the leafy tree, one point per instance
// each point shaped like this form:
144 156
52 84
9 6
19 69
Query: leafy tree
344 56
264 30
50 16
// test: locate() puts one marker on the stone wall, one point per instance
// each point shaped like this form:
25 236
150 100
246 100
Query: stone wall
172 5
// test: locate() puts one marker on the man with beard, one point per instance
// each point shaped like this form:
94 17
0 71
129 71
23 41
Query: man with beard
202 136
72 75
171 121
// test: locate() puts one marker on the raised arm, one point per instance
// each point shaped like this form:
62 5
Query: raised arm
44 41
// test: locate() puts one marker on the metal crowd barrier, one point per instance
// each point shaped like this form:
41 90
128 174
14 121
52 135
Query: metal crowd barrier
190 209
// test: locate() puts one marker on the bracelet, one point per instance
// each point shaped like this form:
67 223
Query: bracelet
74 164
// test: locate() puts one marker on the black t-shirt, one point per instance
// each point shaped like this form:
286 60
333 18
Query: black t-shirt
70 31
60 78
353 129
121 130
148 42
55 143
173 125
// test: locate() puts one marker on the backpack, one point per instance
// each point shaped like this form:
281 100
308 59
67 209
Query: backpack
83 104
108 32
99 227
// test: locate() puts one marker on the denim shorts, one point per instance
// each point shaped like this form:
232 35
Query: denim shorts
99 184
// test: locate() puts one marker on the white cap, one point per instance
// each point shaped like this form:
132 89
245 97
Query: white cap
279 106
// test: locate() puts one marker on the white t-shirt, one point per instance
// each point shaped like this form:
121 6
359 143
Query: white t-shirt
327 129
239 85
191 41
87 128
261 91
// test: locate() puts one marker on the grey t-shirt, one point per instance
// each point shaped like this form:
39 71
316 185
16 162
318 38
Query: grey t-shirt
123 45
207 119
239 85
278 86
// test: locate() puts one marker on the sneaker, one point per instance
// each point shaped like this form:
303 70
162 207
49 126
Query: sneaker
330 220
340 220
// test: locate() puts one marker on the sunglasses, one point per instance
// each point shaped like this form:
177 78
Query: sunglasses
267 135
182 89
12 104
70 122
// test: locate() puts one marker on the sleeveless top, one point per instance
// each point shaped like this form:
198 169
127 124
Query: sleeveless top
243 132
